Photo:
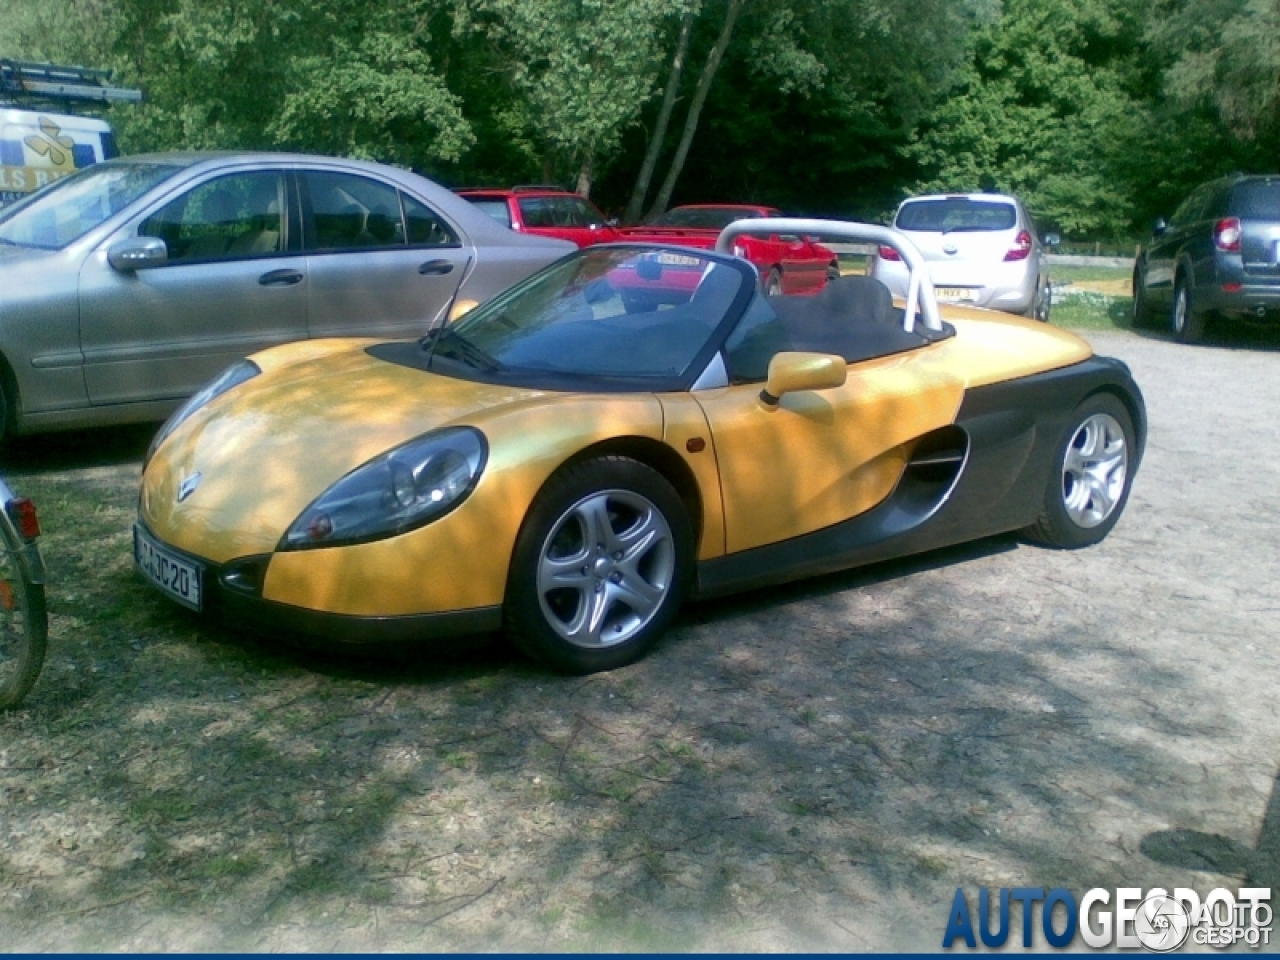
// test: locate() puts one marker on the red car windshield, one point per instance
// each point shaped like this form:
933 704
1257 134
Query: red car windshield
704 218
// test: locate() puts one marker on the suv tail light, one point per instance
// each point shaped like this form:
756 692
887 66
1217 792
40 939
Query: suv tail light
1226 234
888 253
23 514
1021 248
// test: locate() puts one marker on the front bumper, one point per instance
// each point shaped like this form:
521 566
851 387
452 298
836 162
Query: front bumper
231 593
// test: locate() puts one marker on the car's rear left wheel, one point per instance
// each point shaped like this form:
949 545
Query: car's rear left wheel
772 284
600 567
1187 322
1093 470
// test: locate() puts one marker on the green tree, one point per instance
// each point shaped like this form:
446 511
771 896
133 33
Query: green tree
579 72
1050 106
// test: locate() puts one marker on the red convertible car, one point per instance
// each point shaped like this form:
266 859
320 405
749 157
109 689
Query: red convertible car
787 263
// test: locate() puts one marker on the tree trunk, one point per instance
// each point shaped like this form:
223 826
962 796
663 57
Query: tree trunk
695 108
585 174
636 203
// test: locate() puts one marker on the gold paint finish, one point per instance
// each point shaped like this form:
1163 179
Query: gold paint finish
791 372
684 423
822 457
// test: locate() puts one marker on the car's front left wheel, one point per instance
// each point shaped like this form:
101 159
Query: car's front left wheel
601 566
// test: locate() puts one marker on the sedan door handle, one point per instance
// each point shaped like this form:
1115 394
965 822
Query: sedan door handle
280 278
436 268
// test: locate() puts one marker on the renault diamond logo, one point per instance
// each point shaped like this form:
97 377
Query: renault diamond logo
188 486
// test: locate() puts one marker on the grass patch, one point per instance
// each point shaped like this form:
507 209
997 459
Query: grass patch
1092 298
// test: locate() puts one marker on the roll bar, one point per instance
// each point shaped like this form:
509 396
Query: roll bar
920 296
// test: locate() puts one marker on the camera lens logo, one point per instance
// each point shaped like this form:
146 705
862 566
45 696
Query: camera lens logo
1161 924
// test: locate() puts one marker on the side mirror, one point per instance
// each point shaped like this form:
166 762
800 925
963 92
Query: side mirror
789 372
1052 239
1159 227
138 253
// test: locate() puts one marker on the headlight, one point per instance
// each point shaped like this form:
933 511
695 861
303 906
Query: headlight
408 487
233 376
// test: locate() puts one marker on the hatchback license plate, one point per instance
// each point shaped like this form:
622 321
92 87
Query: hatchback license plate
955 293
179 578
678 260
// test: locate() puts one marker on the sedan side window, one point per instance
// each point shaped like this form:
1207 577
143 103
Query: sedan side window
426 228
228 218
351 213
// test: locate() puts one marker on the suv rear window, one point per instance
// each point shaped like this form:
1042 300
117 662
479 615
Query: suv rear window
1257 200
956 214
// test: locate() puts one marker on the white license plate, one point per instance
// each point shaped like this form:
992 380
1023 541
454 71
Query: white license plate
179 578
955 293
678 260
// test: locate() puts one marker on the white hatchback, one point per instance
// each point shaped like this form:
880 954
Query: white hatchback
982 249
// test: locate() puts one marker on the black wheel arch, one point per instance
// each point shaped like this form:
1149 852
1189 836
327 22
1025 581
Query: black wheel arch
656 455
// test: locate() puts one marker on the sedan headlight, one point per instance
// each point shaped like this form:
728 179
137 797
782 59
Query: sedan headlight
233 376
410 486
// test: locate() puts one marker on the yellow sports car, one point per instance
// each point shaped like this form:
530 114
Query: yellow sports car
631 427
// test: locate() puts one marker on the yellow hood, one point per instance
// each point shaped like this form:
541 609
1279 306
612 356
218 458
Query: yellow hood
268 448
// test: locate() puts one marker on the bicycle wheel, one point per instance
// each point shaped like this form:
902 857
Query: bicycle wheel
24 630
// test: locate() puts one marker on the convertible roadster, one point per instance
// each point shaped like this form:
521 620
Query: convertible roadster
570 464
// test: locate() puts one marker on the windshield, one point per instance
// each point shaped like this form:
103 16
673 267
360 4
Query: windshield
70 208
954 214
493 207
634 314
705 218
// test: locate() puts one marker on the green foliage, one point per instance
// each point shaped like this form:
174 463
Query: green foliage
1046 108
1101 114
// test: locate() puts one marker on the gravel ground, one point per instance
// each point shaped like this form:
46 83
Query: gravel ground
812 767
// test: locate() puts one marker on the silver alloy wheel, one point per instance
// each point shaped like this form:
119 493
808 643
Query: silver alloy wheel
606 568
1094 470
773 284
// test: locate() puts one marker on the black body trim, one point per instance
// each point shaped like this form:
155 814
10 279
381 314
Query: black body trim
1013 430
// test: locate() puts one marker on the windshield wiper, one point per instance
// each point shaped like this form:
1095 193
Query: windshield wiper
451 343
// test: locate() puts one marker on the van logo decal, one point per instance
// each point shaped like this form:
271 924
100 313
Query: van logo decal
51 142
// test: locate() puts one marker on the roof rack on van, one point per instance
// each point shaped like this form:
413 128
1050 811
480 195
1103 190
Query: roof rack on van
47 84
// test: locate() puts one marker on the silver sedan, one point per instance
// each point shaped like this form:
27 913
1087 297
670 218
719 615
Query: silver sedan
127 286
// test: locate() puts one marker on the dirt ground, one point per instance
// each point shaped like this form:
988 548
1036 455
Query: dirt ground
814 767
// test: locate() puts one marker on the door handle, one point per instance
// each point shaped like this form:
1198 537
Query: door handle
435 268
280 278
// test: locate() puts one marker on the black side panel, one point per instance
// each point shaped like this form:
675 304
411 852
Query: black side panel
1010 432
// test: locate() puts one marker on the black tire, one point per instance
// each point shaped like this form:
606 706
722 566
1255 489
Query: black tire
833 272
1186 322
1141 308
1073 514
1039 309
24 634
555 538
771 284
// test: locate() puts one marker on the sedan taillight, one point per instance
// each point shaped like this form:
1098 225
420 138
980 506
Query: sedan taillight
1226 234
888 253
1021 248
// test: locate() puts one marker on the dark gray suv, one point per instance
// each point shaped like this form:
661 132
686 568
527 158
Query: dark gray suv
1218 255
